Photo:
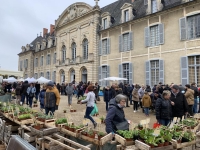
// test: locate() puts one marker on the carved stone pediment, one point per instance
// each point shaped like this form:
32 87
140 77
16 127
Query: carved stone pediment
72 12
126 5
105 14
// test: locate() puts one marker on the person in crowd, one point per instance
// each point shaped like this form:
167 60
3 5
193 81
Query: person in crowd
118 90
90 100
52 98
24 92
107 96
31 93
180 107
148 89
62 89
160 88
37 86
131 87
127 93
154 88
141 94
14 85
164 108
18 93
154 97
58 87
113 91
189 95
115 119
80 90
146 103
167 88
96 91
121 86
8 88
42 97
69 90
181 88
196 93
135 98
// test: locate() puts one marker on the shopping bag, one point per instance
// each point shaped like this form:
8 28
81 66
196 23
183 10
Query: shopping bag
95 110
156 125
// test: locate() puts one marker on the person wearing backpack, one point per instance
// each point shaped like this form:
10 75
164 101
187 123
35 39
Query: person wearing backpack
31 93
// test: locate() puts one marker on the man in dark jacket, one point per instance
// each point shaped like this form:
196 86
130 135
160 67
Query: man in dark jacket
126 92
115 115
196 93
37 87
24 92
180 107
107 96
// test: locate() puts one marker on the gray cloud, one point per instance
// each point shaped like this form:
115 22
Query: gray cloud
22 20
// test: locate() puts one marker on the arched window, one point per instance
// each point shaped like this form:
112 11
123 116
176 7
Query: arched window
73 51
85 49
63 53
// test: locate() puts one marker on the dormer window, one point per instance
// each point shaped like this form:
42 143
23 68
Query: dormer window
126 15
105 23
154 6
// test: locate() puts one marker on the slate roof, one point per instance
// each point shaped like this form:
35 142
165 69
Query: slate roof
138 5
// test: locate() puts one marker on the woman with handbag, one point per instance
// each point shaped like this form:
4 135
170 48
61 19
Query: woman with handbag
115 119
90 100
31 92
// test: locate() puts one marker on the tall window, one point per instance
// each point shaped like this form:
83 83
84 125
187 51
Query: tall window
42 60
26 63
125 42
73 51
63 54
154 35
54 58
48 75
154 6
154 72
25 76
48 59
36 75
85 49
193 26
105 23
104 74
194 69
41 74
21 64
104 47
126 72
36 62
126 15
54 76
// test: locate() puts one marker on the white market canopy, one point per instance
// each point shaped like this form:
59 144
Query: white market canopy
10 80
21 80
42 80
31 80
11 72
113 79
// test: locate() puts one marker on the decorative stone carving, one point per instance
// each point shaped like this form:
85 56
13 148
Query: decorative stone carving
75 11
27 47
23 48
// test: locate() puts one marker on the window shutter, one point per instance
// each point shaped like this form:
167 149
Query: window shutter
49 59
35 62
146 36
52 76
100 47
108 45
161 33
120 71
100 75
108 75
130 73
148 73
120 44
161 71
183 28
184 71
145 2
130 40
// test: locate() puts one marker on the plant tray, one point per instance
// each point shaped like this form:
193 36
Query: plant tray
142 146
44 131
74 134
182 145
30 137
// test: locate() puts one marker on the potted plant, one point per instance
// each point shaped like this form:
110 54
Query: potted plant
140 127
60 121
167 138
151 141
135 134
177 136
84 132
24 117
102 119
90 134
120 132
128 135
100 135
188 137
160 141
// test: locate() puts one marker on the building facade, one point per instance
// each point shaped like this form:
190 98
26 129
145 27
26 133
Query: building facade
145 41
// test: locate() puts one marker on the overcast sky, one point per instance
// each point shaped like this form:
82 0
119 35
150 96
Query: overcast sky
22 20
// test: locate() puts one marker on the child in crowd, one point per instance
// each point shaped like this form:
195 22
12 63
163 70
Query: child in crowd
146 103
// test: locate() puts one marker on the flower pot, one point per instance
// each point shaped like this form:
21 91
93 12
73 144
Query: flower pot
166 144
152 146
129 139
91 135
160 144
99 137
37 127
84 133
140 128
66 127
135 138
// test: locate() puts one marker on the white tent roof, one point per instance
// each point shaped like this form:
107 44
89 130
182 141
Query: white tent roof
42 80
10 80
11 72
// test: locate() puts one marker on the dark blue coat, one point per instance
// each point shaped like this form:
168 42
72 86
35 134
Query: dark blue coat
42 96
108 95
114 116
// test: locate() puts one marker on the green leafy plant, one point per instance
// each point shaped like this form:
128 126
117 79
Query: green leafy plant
101 134
177 135
24 116
189 135
102 118
61 121
159 140
151 141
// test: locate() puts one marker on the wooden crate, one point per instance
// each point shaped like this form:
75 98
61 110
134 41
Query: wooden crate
44 132
182 145
29 137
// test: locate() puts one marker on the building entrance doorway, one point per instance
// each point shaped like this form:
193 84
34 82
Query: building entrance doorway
84 75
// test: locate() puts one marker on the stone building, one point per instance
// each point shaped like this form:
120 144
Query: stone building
151 41
145 41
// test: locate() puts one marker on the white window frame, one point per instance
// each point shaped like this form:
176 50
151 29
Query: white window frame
104 46
156 35
126 15
127 42
154 70
125 72
74 51
154 6
105 23
54 58
85 49
63 54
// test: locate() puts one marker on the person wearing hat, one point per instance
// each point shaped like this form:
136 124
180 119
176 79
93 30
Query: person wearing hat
179 103
52 98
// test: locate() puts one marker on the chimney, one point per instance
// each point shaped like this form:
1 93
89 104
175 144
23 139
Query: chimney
45 31
52 28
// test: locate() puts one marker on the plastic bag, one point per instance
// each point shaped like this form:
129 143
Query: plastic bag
156 125
95 110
